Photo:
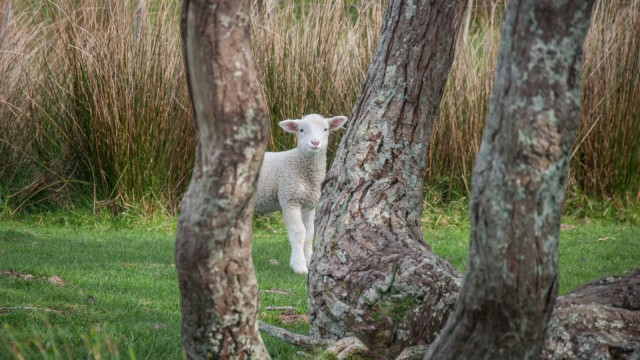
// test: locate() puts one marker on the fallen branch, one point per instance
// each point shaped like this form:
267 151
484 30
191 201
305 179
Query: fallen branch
279 308
299 340
342 349
277 291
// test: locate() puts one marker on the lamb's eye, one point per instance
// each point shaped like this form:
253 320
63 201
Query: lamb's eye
301 130
325 129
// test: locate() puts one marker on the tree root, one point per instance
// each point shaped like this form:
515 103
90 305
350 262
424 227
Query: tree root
342 349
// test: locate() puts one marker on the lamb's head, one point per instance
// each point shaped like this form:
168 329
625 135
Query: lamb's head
313 130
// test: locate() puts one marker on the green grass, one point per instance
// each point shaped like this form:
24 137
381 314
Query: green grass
121 287
587 251
120 298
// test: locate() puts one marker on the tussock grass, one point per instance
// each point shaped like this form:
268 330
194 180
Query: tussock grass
94 107
606 159
606 156
312 57
457 129
101 106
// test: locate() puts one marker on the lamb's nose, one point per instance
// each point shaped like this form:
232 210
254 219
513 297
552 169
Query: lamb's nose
315 142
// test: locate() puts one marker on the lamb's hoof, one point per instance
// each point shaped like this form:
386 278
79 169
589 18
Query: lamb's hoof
299 267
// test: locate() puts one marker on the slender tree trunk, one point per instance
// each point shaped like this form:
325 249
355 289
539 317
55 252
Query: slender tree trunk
213 243
372 275
518 185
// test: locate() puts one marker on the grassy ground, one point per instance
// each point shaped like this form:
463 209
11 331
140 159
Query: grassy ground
75 287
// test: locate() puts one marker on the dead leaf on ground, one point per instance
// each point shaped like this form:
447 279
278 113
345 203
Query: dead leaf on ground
567 227
56 280
274 262
279 308
606 238
289 317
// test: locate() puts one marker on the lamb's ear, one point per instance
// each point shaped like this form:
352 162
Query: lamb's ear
289 125
336 122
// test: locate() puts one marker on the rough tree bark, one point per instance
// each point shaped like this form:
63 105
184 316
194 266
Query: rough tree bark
372 276
213 243
599 320
518 185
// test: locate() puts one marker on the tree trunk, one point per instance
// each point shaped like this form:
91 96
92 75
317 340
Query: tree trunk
213 243
518 185
599 320
372 275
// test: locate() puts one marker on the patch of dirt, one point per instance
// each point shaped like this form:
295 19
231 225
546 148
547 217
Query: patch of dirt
17 275
56 280
53 279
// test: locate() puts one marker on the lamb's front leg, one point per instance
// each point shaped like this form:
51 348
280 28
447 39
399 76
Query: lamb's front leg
296 232
308 219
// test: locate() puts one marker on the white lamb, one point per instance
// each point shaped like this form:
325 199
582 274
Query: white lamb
290 181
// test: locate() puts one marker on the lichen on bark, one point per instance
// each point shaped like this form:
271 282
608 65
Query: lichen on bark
518 185
370 257
213 241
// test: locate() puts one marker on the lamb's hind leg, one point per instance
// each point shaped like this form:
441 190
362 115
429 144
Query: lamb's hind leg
296 232
308 219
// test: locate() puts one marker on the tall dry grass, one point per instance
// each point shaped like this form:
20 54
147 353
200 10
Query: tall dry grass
107 104
606 155
606 158
93 102
312 56
21 167
457 128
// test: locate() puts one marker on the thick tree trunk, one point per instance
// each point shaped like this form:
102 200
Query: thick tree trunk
213 243
518 185
600 320
372 275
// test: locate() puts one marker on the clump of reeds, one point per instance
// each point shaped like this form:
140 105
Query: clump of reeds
606 158
606 155
94 106
111 104
457 129
312 56
20 51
